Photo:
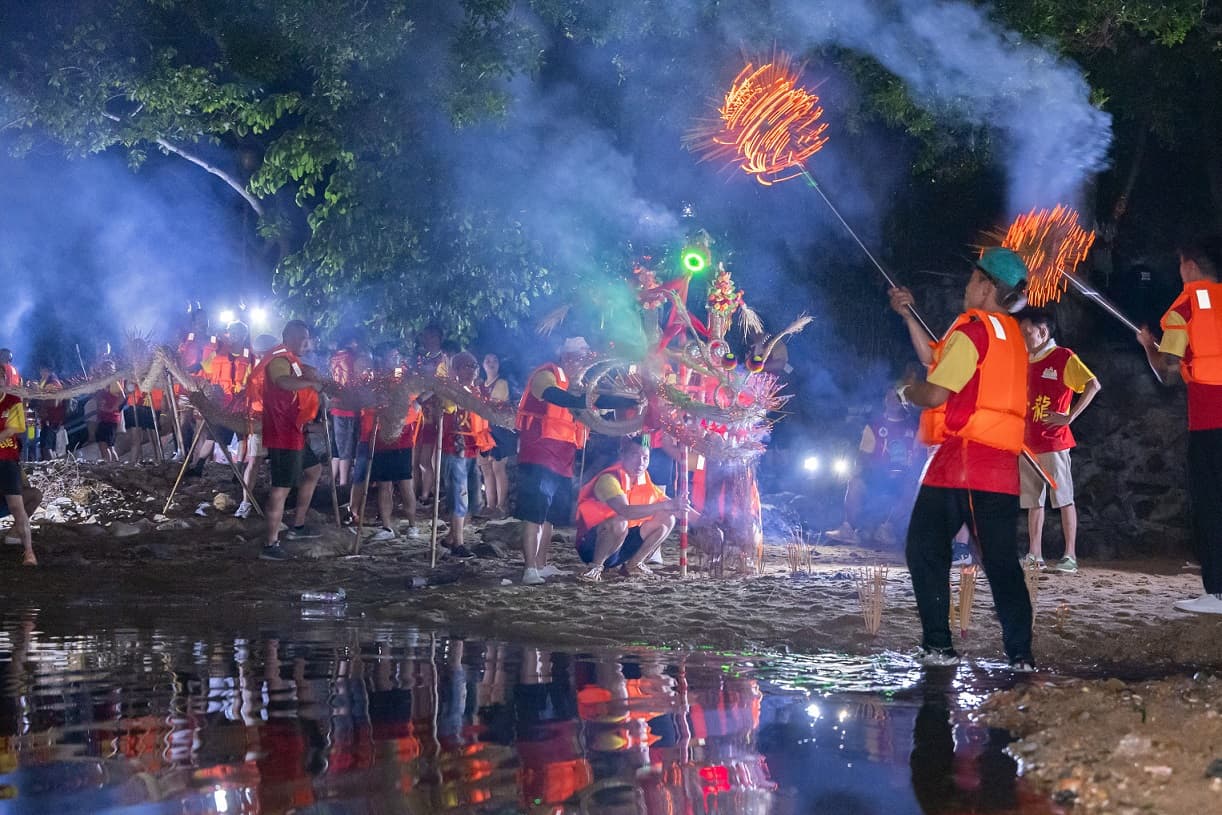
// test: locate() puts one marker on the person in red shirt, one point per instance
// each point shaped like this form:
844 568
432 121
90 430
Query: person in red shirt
347 365
290 399
12 428
981 378
109 407
1191 349
51 414
464 435
1054 376
392 455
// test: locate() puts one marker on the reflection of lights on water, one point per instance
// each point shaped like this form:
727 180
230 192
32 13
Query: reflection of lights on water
811 464
814 711
840 466
842 715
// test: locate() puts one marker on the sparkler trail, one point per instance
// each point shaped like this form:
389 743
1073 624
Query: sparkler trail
1052 243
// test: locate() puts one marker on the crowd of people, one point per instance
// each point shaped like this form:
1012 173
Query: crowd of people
997 403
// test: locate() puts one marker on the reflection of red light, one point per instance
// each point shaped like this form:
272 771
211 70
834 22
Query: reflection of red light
716 779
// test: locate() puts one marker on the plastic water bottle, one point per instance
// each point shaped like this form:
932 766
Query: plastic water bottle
337 596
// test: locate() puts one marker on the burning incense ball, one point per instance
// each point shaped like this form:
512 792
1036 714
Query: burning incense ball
1052 243
768 126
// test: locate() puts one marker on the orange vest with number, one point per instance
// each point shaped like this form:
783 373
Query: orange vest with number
999 419
1204 364
550 421
591 511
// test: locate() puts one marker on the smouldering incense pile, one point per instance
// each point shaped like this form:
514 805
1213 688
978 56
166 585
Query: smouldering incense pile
799 553
961 610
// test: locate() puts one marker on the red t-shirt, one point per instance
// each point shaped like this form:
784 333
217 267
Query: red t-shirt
109 405
1052 380
961 464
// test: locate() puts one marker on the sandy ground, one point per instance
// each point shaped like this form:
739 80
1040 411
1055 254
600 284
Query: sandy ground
1111 619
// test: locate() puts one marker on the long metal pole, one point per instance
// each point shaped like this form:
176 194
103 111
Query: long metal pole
684 497
890 281
1091 293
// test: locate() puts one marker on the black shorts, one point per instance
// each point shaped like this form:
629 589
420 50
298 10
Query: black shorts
10 478
105 434
632 545
506 444
343 437
288 465
544 496
139 416
391 466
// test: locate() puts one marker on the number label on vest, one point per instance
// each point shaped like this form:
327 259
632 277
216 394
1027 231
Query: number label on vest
1203 299
997 327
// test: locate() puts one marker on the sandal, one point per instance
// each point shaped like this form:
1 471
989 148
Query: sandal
593 575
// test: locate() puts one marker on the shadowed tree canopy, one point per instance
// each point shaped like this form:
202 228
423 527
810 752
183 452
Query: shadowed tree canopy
330 119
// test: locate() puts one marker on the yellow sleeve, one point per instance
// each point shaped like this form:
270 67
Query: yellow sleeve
607 487
14 417
1175 334
1077 375
540 382
957 365
277 368
867 441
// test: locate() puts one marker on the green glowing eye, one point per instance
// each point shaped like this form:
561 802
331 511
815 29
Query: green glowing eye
695 260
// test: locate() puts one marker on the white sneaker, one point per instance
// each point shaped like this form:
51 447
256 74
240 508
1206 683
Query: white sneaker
244 510
551 571
657 558
412 530
532 577
383 534
1205 604
936 658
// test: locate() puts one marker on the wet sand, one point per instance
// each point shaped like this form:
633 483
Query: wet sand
1109 619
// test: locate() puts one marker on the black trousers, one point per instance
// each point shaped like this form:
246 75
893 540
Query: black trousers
1205 504
993 519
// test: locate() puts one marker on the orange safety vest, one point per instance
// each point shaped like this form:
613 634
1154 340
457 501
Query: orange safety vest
591 511
554 422
228 371
11 378
1204 300
463 422
931 430
307 398
999 419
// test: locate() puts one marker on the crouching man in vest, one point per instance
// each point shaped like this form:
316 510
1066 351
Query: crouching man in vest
981 378
622 516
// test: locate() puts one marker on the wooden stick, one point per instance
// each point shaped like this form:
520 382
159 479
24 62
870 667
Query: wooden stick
186 462
683 497
172 399
436 488
247 492
156 430
326 427
360 519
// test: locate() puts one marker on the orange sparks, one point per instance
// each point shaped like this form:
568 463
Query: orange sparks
768 126
1052 243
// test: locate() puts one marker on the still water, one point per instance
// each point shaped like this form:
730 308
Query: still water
336 716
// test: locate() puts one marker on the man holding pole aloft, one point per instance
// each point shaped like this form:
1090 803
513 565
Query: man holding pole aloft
981 379
1191 349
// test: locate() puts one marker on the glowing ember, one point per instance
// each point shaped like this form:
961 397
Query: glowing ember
1052 242
768 125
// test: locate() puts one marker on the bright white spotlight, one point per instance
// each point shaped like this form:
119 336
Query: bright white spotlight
227 316
258 315
841 466
811 464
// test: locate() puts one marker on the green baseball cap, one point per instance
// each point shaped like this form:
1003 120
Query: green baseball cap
1003 265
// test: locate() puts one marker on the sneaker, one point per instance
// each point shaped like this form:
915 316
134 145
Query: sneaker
244 510
383 534
844 534
461 552
1023 665
551 571
303 532
531 577
1032 560
273 552
412 530
1068 565
1205 604
936 657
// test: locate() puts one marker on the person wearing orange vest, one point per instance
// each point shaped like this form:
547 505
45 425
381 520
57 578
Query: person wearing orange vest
11 377
290 399
981 379
347 365
622 516
12 428
1054 375
392 466
253 405
464 435
1191 349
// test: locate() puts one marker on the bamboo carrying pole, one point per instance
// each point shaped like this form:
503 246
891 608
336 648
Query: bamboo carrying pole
326 425
436 488
247 493
172 400
683 519
360 518
156 429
